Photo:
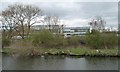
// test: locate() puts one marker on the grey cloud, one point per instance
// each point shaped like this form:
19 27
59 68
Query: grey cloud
88 9
78 10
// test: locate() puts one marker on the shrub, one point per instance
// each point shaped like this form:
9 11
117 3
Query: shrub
58 41
42 38
94 40
5 42
82 40
98 40
73 41
109 40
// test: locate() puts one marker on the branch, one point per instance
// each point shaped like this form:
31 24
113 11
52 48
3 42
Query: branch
36 22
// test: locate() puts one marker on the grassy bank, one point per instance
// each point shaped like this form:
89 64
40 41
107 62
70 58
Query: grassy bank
67 52
44 42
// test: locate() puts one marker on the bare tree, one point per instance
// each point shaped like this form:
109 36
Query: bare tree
53 23
48 21
21 17
7 28
97 23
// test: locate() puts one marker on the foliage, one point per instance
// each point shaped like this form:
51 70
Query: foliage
45 38
42 38
99 40
70 51
110 40
73 41
5 42
93 39
58 41
6 39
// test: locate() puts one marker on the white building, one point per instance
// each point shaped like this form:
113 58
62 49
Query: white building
78 31
67 31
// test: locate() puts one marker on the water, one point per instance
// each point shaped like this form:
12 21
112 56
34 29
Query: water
59 63
0 61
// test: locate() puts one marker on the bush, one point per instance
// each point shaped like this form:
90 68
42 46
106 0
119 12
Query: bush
109 40
82 40
58 41
45 38
73 41
98 40
93 39
5 42
42 38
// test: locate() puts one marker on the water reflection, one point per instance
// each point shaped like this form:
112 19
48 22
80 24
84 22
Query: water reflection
58 63
0 61
98 63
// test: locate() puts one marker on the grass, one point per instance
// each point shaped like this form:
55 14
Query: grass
62 51
8 50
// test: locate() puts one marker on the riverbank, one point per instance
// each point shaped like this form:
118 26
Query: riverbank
60 51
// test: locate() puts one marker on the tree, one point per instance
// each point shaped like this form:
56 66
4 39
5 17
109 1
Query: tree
97 23
20 18
7 29
53 23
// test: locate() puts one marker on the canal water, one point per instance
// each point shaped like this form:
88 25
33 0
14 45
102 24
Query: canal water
59 63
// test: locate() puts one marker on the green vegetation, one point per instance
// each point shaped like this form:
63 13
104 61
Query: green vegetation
45 38
97 40
5 42
73 41
69 52
44 42
42 38
93 39
18 37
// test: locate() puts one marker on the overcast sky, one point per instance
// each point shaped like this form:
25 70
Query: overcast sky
75 13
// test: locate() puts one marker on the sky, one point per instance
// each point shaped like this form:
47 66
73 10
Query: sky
74 12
